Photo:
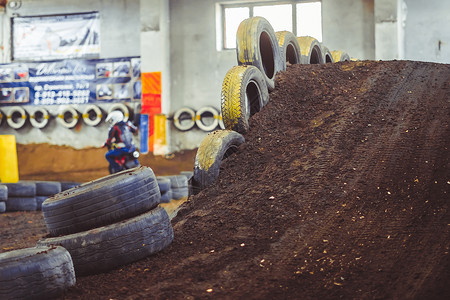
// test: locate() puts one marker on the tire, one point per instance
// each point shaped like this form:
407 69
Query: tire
166 196
326 53
289 48
178 181
68 117
163 183
39 201
65 185
92 115
2 206
257 45
108 247
47 188
184 119
311 51
339 55
214 148
121 107
21 189
21 204
202 114
179 193
104 201
36 273
2 118
3 192
244 93
39 118
16 117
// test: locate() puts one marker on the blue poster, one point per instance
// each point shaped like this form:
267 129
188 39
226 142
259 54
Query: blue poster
75 81
143 129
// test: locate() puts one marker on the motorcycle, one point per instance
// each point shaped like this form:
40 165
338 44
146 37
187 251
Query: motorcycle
125 161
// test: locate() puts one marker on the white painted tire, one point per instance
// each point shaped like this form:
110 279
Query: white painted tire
39 118
68 117
184 119
202 114
326 53
339 55
121 107
16 117
2 117
92 115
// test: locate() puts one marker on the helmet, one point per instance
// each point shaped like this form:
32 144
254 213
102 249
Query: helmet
114 117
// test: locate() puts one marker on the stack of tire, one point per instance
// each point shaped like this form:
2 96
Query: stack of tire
173 187
164 188
3 197
46 189
108 222
21 196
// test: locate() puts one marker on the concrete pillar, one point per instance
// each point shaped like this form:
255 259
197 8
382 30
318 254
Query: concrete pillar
389 29
155 52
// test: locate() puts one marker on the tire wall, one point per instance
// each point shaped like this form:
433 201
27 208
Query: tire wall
46 126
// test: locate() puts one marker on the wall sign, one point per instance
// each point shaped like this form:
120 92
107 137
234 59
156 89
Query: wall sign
56 37
76 81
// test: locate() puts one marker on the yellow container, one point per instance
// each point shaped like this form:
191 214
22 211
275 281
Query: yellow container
9 170
159 135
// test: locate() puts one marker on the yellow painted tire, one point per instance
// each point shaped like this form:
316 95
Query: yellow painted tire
214 148
326 53
257 45
39 118
289 47
204 113
244 93
311 51
68 117
339 55
92 115
16 117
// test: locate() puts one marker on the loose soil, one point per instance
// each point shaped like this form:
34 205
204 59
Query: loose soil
340 191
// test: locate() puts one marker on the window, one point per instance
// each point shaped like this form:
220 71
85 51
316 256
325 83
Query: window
299 17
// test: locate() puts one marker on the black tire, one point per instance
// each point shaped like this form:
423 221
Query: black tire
3 192
257 45
21 204
21 189
104 201
39 201
179 193
35 273
2 206
166 196
65 185
108 247
47 188
244 93
178 181
214 148
163 183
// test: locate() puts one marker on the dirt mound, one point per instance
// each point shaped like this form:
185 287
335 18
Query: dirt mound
340 191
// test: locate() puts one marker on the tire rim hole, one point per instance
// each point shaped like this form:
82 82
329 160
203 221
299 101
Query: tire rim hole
16 117
68 117
207 118
253 95
92 115
39 116
314 57
265 47
291 55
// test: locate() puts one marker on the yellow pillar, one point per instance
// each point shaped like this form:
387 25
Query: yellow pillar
9 170
159 137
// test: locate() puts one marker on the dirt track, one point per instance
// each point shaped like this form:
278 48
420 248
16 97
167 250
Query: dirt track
340 191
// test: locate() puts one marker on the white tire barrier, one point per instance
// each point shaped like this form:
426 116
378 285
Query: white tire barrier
326 53
121 107
207 118
92 115
68 117
16 117
289 47
184 119
39 118
339 55
2 117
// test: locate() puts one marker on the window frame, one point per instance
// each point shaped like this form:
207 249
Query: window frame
251 5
